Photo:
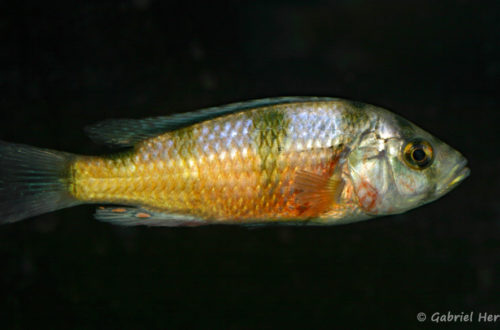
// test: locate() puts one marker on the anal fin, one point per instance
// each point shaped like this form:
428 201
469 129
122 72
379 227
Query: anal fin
137 216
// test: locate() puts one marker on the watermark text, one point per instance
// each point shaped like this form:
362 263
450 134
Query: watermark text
458 317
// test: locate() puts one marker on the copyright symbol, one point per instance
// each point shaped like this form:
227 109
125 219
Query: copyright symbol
421 317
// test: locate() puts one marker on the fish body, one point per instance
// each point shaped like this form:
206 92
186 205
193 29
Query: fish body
282 160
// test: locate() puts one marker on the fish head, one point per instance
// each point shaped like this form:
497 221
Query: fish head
397 166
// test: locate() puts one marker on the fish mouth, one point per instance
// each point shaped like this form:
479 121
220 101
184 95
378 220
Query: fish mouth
462 174
459 174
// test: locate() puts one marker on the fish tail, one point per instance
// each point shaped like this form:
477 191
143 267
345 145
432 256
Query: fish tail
33 181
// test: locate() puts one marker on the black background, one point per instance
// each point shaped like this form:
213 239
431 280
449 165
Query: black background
67 64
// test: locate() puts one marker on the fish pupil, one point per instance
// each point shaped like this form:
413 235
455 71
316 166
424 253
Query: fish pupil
419 154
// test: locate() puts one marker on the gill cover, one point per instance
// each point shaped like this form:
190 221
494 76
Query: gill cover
371 175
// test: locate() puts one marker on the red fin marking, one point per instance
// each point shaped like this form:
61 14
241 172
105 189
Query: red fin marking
367 196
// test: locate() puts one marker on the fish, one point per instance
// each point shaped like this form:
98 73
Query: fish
283 161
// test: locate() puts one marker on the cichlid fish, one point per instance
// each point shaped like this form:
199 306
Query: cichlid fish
289 160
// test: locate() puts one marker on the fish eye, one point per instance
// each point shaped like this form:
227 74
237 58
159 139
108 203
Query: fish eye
418 154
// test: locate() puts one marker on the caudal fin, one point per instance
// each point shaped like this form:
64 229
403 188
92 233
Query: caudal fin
32 181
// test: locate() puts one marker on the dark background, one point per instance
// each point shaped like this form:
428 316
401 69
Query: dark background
67 64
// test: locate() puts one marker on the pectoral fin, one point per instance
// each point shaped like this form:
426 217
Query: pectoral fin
317 193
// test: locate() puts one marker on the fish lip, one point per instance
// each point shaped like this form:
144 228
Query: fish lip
460 176
457 176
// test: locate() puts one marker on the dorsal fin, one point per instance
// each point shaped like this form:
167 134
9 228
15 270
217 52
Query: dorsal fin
128 132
